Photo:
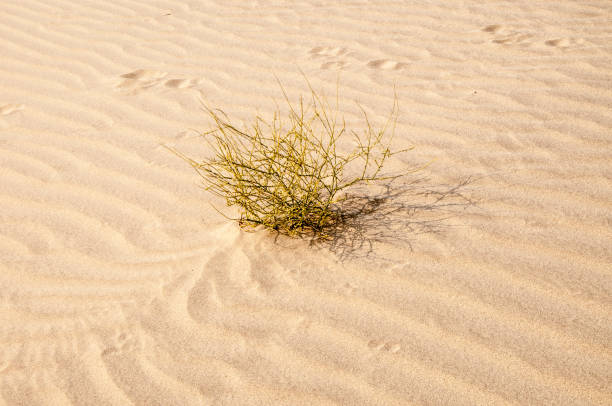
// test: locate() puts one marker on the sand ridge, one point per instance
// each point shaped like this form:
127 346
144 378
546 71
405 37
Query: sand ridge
485 279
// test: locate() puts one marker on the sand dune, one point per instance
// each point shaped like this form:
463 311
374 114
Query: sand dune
485 280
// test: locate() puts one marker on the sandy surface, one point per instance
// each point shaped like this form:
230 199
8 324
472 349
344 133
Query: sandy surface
483 280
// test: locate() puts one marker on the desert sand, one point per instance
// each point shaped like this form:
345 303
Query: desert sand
484 279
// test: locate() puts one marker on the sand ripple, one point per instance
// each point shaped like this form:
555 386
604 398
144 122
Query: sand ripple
486 280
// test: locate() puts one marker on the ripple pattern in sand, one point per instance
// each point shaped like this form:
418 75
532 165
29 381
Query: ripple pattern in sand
118 285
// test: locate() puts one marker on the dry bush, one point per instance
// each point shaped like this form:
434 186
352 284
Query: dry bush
293 177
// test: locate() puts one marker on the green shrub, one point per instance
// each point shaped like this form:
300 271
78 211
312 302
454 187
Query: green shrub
293 178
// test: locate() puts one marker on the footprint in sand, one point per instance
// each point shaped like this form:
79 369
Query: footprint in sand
508 36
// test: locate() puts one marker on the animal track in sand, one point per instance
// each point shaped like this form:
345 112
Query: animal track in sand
332 56
386 64
144 75
507 36
335 58
380 345
564 42
141 79
514 38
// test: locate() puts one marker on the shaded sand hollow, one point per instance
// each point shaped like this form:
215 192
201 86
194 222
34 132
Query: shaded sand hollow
483 280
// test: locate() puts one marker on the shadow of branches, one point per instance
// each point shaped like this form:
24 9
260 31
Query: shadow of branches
395 216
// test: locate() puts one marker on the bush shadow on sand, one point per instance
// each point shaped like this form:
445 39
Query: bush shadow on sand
395 216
